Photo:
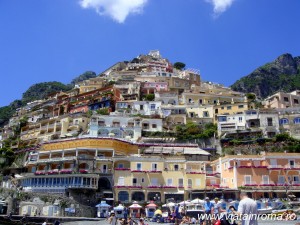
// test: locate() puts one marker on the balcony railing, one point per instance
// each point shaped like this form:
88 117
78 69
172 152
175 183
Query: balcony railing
267 184
250 183
195 172
289 167
212 173
275 167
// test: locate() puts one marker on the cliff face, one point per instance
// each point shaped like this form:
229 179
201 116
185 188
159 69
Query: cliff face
281 74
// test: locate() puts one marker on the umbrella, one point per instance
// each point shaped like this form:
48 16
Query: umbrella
158 211
151 205
170 204
135 206
184 203
103 204
197 201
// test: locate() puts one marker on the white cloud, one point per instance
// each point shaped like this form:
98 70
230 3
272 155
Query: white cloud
220 6
116 9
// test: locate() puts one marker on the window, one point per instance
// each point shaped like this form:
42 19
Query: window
241 106
205 114
154 181
121 181
292 163
134 181
222 107
152 106
180 182
265 179
154 126
120 165
296 101
154 167
200 101
141 107
247 179
281 179
240 119
213 182
297 120
269 121
286 99
228 107
169 182
198 182
296 180
222 118
176 167
273 162
283 121
138 166
142 180
190 183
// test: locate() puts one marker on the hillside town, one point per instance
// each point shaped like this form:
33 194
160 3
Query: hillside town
148 130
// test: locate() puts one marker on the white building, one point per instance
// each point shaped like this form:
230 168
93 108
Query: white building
122 127
140 107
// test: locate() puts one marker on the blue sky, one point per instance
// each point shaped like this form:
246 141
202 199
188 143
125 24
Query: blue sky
55 40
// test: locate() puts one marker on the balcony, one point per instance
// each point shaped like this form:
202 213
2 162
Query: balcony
275 167
83 171
154 171
122 169
267 184
289 167
53 172
212 173
195 172
250 184
295 183
40 172
138 171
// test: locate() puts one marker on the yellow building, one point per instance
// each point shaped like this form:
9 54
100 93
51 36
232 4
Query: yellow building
177 174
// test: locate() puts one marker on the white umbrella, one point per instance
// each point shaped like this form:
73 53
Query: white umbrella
184 203
170 204
197 201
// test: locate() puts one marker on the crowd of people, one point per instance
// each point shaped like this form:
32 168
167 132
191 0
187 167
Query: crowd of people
214 214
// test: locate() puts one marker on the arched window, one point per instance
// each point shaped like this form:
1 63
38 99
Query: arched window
138 196
123 196
283 121
297 120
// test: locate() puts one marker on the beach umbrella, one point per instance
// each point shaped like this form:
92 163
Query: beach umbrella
198 201
184 203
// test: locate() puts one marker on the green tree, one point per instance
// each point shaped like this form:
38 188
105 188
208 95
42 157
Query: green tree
179 65
149 97
103 111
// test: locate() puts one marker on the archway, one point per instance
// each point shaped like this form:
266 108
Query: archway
123 196
104 184
138 196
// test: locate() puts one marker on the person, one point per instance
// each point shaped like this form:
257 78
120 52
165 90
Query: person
209 209
130 221
125 213
112 219
177 214
247 210
45 223
56 222
231 215
217 208
141 222
193 220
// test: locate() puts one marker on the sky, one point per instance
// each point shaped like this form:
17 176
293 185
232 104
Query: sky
55 40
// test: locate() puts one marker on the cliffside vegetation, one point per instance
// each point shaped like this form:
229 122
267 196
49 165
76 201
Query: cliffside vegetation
283 74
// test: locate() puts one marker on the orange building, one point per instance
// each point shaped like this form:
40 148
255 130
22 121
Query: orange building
267 175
